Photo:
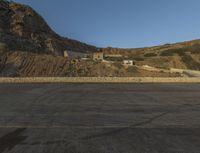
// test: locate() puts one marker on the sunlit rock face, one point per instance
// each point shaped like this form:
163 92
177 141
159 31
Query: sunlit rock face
24 29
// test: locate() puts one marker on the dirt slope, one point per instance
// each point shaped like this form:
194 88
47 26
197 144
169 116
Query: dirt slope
24 64
185 55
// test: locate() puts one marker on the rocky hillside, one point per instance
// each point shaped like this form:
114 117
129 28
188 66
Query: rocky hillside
24 64
21 28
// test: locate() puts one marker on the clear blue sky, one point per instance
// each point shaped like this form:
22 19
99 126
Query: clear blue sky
122 23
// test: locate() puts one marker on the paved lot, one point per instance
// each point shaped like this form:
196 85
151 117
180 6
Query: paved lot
103 118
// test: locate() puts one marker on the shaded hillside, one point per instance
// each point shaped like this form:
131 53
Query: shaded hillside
21 28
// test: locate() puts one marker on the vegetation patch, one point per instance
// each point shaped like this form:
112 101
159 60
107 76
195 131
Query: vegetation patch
190 62
150 55
172 52
195 49
138 59
114 59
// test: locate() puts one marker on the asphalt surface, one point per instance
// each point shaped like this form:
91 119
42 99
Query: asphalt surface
100 118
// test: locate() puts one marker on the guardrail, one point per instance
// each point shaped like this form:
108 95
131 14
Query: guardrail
100 80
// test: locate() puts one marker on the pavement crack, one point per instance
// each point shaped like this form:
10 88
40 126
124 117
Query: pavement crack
150 120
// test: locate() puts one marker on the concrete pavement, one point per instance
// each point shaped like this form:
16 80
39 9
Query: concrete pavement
99 118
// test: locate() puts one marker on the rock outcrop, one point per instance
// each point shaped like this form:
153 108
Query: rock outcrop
21 28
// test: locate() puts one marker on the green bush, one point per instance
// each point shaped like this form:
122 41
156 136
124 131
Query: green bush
115 59
138 59
150 55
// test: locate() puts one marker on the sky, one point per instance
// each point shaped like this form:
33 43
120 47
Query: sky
122 23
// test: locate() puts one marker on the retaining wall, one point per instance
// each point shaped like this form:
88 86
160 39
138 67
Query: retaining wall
100 80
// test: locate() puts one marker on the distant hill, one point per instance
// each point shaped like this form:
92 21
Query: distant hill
185 55
23 29
29 47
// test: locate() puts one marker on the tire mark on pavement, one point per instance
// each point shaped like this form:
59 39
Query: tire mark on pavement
124 128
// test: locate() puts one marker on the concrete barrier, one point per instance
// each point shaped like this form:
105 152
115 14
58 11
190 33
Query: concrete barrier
100 80
191 73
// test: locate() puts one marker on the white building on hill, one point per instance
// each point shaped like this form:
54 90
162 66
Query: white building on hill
128 62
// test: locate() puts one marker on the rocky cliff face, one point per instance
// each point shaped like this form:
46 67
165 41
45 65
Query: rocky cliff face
21 28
